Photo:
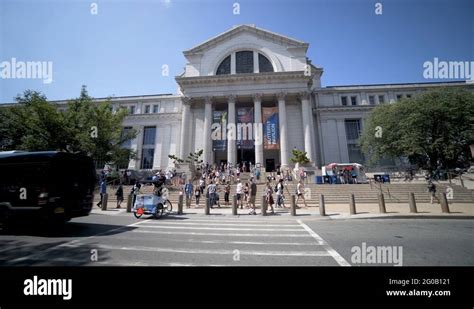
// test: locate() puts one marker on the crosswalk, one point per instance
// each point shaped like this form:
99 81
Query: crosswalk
229 242
199 241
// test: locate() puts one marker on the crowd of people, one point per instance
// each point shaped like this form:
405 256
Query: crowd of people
216 180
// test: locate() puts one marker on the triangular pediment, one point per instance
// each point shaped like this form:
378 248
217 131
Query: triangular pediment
259 32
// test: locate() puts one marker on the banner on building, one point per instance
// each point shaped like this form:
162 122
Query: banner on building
218 130
271 132
245 128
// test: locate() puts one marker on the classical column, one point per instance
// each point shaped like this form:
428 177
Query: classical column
258 129
185 119
232 130
207 145
307 128
283 129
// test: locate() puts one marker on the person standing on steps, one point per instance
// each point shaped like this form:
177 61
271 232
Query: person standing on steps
119 194
252 196
197 195
188 190
269 197
239 193
226 193
280 195
432 191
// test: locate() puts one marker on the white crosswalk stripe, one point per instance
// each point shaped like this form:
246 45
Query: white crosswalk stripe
203 242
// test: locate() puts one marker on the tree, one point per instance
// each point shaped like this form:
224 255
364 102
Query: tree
193 158
87 127
432 130
299 157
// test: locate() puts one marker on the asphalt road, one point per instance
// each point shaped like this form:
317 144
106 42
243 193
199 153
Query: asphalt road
217 240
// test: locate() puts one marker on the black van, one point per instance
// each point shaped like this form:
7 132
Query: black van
48 185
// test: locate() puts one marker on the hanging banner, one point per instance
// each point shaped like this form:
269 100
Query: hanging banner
218 130
245 128
271 132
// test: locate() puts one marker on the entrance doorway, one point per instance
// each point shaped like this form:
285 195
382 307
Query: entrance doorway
269 165
246 155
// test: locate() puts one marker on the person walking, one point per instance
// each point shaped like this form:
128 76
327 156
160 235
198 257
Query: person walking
300 193
119 194
188 190
269 197
226 193
211 189
246 194
279 193
197 195
239 193
103 190
252 196
432 191
135 191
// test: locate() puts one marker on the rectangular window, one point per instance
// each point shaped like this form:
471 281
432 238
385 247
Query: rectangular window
353 100
372 100
132 109
352 129
344 101
381 99
147 109
149 134
148 148
355 154
244 62
147 158
155 109
409 96
126 143
399 97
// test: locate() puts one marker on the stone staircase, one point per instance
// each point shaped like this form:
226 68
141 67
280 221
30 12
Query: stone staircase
334 194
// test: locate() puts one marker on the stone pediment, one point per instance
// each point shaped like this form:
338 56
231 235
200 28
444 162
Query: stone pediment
258 32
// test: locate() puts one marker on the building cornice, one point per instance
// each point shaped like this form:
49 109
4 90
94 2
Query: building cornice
235 78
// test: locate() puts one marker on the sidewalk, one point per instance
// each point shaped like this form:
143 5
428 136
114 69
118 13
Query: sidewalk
333 211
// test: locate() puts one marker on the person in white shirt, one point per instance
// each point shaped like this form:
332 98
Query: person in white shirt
279 193
300 193
239 192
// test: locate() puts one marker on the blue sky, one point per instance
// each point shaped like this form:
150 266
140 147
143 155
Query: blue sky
121 50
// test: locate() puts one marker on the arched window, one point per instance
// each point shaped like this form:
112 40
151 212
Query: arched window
264 65
224 67
244 62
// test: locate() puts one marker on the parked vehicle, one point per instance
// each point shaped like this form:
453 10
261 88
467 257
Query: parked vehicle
47 186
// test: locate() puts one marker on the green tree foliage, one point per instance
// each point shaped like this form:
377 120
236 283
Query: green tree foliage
87 127
299 157
432 130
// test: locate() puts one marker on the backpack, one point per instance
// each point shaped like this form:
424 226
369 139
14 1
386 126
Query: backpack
276 188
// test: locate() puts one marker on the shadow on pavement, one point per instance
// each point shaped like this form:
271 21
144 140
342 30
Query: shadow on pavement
69 229
58 253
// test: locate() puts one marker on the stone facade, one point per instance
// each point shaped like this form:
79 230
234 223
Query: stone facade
324 122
